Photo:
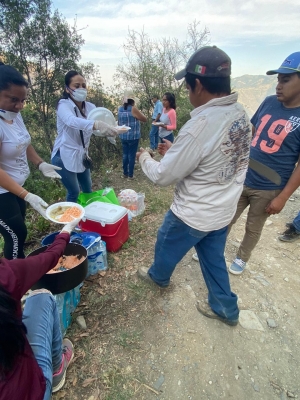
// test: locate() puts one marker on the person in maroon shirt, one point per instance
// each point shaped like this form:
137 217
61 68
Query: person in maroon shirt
33 356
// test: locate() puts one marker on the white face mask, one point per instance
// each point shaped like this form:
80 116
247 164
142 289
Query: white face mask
78 94
8 115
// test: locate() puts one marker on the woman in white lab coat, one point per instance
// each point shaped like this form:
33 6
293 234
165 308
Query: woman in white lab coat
74 131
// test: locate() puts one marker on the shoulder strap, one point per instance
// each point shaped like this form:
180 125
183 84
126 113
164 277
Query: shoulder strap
81 133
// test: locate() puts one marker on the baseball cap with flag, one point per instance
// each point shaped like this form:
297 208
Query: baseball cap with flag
209 61
289 66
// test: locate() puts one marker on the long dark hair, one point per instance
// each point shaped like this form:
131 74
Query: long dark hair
68 77
10 76
130 102
171 99
12 333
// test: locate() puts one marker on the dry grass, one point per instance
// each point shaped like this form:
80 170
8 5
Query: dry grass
117 307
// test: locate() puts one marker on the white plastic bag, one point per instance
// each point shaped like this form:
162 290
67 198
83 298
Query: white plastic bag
133 201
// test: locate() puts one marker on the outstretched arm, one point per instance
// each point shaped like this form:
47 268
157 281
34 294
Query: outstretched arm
67 115
19 275
179 161
138 115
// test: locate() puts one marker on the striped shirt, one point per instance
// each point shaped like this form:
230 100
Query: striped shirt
125 117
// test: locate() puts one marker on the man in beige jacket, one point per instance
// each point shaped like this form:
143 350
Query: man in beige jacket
208 163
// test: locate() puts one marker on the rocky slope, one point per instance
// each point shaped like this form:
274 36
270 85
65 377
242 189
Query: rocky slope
252 89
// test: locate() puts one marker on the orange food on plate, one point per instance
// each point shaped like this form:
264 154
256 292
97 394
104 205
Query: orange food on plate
70 214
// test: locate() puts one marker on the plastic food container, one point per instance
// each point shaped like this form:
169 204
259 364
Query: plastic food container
110 221
134 202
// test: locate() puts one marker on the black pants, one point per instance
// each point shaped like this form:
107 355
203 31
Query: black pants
12 225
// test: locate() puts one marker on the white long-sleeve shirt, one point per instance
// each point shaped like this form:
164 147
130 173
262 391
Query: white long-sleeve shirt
208 163
68 140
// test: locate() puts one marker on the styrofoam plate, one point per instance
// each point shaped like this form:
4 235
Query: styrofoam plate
123 128
102 114
157 123
62 204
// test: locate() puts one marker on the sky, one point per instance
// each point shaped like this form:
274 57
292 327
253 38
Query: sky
257 35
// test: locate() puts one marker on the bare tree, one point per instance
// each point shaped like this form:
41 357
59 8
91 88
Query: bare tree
150 65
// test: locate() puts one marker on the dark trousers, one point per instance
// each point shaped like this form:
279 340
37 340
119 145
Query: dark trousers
169 137
12 225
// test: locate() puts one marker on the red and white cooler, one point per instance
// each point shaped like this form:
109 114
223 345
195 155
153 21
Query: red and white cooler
109 220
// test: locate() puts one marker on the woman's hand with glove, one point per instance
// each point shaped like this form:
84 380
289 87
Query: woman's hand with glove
105 129
37 203
48 170
70 226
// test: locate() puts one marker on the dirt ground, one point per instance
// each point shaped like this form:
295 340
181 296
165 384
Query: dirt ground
145 343
197 358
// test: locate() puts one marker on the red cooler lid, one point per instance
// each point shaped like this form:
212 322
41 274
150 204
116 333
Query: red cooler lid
105 213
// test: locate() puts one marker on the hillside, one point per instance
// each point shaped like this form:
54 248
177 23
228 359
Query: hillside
252 89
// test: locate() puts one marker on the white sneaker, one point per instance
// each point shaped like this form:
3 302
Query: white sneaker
237 267
195 257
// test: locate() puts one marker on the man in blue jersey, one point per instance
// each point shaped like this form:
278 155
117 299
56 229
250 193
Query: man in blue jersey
276 144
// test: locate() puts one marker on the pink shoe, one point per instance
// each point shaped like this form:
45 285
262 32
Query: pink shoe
67 356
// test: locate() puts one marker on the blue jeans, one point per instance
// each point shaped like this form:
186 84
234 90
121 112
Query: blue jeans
174 240
41 319
169 137
73 181
129 153
153 135
296 223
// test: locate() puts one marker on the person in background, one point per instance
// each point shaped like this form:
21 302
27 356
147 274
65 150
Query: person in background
15 151
168 118
129 115
33 356
153 135
208 163
69 148
276 144
292 232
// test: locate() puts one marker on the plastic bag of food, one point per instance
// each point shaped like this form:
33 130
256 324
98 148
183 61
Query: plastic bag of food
133 201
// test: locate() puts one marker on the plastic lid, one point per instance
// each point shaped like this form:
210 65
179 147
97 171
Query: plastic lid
86 239
102 114
105 213
128 192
